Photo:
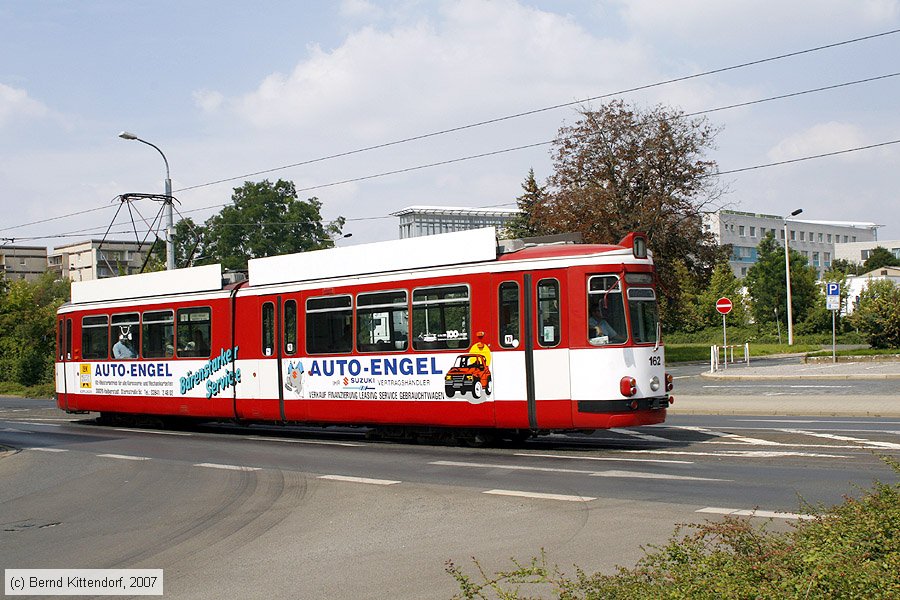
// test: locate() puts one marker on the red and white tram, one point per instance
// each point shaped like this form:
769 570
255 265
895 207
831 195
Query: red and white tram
447 333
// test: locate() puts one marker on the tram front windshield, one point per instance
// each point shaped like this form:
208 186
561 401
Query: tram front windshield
607 320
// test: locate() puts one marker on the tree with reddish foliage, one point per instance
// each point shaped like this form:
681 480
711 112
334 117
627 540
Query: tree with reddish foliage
620 169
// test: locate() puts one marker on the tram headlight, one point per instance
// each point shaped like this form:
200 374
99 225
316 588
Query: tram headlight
654 383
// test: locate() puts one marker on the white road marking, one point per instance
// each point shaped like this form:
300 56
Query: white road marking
123 457
11 430
644 475
827 422
768 514
293 441
48 449
775 385
844 438
359 479
540 496
451 463
740 453
226 467
622 474
157 432
722 434
39 424
609 458
639 435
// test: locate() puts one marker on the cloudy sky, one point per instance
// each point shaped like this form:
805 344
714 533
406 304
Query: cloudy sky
234 91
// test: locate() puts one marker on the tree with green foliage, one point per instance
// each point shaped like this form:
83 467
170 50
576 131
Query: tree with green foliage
722 284
621 169
766 285
818 319
524 224
189 240
27 318
845 266
266 219
880 257
877 313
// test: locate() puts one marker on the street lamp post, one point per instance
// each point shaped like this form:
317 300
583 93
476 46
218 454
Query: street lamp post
787 274
170 242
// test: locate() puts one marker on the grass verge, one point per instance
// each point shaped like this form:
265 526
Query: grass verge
43 390
851 550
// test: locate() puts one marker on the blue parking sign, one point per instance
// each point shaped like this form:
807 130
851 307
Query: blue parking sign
832 289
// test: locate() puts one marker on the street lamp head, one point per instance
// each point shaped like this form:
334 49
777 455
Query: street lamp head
127 136
796 212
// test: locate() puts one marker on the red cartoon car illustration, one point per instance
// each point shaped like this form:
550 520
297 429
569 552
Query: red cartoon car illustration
469 373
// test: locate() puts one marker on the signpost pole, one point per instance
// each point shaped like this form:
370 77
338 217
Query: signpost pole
725 341
833 353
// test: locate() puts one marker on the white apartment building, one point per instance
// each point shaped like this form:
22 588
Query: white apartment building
816 240
84 261
23 262
859 252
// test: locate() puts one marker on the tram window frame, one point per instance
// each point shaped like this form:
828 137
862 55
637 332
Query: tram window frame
94 329
131 320
60 340
329 324
549 314
68 339
289 333
186 327
509 315
615 315
158 333
454 317
391 306
267 324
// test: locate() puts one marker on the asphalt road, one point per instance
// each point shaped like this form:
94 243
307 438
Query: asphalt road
292 512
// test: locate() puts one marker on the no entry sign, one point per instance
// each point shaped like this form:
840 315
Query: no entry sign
723 305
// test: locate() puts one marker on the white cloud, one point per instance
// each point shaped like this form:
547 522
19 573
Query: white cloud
360 9
818 139
208 100
15 104
474 59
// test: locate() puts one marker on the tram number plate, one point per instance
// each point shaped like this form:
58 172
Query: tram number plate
655 361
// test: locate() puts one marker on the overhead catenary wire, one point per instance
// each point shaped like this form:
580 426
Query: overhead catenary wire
501 119
547 108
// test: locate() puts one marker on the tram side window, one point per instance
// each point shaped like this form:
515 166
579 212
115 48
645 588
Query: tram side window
606 321
158 334
268 329
60 340
194 327
95 336
125 335
382 321
509 314
548 312
290 326
329 324
441 318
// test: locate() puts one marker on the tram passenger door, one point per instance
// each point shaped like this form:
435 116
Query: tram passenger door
548 386
512 366
63 356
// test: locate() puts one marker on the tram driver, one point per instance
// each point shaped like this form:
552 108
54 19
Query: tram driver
599 327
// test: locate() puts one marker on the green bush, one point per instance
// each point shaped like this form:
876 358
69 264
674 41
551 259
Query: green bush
851 550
